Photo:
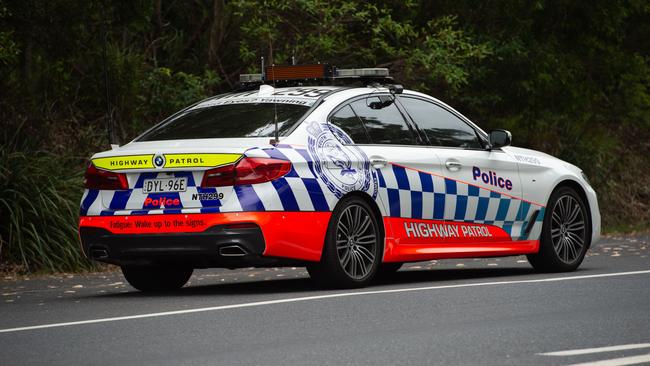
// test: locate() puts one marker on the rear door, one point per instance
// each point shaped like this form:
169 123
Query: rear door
408 173
482 186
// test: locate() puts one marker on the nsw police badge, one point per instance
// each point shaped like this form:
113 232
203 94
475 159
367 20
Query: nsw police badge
342 166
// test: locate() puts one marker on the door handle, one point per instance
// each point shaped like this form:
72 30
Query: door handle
453 166
378 162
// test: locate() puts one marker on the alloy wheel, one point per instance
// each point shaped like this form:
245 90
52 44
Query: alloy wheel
356 241
568 229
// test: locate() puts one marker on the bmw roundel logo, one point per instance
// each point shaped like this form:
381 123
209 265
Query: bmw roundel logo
158 161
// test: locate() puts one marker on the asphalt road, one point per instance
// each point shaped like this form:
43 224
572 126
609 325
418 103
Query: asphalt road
484 311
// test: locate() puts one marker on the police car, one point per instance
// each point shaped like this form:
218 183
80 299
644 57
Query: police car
347 181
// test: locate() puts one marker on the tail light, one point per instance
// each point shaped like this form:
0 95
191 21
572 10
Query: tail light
103 179
246 171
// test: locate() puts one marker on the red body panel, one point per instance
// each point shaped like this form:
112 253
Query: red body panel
297 235
301 235
427 242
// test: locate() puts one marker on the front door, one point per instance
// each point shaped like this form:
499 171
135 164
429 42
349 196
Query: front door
483 193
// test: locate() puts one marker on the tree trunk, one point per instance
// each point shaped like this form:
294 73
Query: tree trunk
216 32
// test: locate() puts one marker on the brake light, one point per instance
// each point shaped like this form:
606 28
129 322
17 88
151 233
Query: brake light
103 179
219 177
259 170
246 171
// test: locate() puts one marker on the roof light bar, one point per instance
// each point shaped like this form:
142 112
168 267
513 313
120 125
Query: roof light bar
367 72
283 73
250 78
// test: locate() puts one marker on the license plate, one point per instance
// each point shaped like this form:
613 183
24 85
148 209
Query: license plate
162 185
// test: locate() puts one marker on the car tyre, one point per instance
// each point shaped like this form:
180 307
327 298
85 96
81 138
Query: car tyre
154 279
353 247
566 233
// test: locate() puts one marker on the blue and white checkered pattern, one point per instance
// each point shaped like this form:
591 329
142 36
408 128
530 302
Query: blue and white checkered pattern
410 193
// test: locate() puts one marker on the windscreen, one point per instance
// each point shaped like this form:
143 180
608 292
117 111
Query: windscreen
216 120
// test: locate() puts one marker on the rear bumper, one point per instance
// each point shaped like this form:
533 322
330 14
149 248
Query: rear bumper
218 246
228 240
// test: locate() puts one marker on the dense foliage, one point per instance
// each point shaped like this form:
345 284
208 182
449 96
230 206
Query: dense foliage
567 77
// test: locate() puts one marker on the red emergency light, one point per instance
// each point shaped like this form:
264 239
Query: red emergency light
297 72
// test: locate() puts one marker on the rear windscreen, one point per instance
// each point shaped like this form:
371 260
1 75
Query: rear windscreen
228 120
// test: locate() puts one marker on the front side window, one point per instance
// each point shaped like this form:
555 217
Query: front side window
383 121
441 126
228 120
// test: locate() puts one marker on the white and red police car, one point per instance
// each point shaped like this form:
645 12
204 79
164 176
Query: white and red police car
359 180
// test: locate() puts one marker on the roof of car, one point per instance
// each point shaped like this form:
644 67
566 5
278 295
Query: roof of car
297 95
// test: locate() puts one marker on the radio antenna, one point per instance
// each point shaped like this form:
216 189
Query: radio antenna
275 107
263 75
276 138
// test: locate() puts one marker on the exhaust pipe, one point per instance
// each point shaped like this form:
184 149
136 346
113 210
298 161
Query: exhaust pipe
232 251
98 253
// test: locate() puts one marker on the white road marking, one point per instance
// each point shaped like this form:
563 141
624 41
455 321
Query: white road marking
317 297
632 360
586 351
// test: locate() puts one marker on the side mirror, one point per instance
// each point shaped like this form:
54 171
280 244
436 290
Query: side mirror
384 101
500 138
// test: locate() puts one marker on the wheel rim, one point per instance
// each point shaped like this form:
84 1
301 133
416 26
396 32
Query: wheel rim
568 229
356 241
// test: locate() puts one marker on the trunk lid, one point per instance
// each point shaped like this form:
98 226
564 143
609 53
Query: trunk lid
165 176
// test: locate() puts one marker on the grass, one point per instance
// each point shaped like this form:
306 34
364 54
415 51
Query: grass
39 203
626 229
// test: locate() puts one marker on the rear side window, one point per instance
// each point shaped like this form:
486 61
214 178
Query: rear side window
346 120
228 120
441 126
385 125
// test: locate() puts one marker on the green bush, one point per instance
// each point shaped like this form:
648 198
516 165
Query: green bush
163 92
39 204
